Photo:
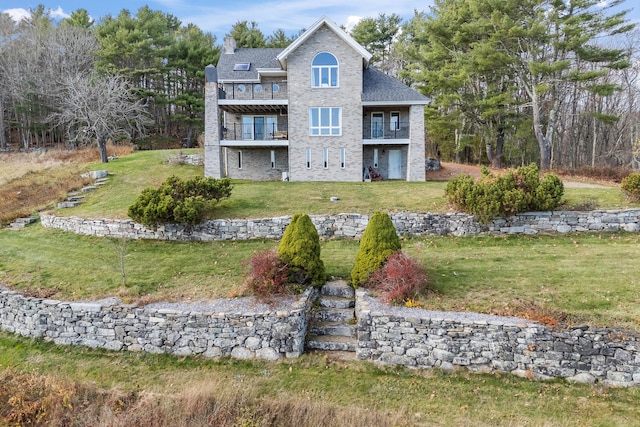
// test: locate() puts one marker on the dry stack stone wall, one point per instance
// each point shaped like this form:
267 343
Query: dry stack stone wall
240 327
353 225
424 339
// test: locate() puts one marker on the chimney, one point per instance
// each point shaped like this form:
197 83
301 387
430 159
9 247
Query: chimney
229 45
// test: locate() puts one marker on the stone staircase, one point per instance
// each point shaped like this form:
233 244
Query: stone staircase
20 223
333 325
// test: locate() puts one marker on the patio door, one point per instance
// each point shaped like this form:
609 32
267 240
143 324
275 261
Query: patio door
377 123
395 164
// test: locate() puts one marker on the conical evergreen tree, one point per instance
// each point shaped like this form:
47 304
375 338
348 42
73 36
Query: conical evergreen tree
379 241
300 250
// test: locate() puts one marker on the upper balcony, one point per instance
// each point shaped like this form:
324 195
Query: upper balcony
247 97
389 133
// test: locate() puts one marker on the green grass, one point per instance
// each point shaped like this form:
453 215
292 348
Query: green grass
134 172
590 276
416 397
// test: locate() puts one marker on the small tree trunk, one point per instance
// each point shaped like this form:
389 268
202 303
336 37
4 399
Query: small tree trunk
102 146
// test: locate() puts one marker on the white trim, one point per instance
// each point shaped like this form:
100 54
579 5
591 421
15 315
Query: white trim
252 144
273 159
392 103
282 57
325 158
307 158
343 158
271 72
257 102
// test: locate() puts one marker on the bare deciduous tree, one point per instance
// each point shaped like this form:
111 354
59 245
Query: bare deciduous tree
96 108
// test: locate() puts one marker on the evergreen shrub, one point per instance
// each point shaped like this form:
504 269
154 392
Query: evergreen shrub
630 186
300 250
492 196
179 201
379 241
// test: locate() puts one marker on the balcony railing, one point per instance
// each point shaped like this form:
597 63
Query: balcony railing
253 91
385 131
255 132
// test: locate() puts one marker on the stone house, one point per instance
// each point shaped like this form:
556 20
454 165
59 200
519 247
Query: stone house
314 111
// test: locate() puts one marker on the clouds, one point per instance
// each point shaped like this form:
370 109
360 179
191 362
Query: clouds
18 14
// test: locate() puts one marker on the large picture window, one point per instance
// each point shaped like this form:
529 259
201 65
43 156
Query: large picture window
325 121
324 70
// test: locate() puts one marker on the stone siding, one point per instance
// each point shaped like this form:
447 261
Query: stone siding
353 225
240 328
347 96
423 339
256 163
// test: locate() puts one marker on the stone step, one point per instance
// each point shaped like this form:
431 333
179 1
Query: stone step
25 221
332 329
333 343
339 288
74 198
333 315
88 188
64 205
336 302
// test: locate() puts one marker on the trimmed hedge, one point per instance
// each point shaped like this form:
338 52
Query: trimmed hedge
179 201
379 241
492 196
299 249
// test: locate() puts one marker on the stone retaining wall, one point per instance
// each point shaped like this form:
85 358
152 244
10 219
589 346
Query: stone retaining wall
241 328
353 225
423 339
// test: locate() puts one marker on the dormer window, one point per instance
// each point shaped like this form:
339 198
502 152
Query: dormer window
242 66
324 70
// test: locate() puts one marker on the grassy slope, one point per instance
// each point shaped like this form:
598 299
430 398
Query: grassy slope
590 276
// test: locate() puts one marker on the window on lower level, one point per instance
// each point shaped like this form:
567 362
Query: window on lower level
308 157
325 158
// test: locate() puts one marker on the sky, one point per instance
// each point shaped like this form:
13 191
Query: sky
218 16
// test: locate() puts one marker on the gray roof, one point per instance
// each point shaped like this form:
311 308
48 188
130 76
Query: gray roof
379 87
258 58
376 85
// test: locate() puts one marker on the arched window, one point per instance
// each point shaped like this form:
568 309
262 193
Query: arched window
324 70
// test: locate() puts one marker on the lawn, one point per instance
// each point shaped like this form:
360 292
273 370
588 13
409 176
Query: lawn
582 278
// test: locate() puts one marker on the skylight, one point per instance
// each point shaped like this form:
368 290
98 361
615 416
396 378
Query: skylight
242 66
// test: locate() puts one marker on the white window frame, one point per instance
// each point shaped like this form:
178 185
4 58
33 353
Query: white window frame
343 158
308 158
270 126
394 121
325 158
330 128
329 71
273 159
380 115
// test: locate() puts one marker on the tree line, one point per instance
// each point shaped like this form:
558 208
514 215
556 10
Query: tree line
510 82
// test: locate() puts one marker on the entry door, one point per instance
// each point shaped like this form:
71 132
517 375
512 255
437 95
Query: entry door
395 164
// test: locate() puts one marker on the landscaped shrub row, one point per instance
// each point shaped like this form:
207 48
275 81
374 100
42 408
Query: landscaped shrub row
179 201
380 263
492 196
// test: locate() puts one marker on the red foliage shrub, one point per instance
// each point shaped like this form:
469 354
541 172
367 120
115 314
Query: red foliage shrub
399 279
267 276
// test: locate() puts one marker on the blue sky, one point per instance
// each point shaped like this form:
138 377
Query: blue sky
217 16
